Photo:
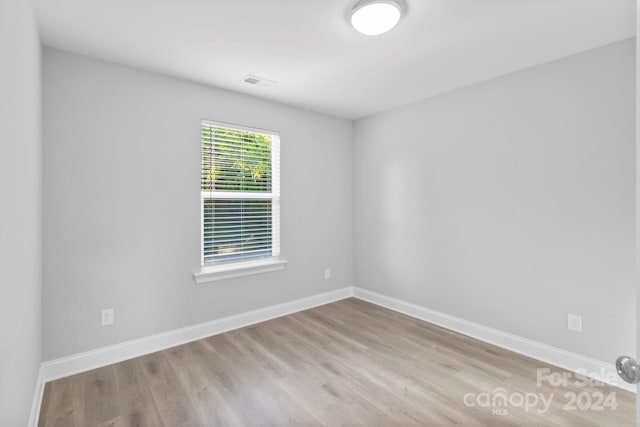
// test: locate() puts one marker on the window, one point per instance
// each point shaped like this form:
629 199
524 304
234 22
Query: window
240 195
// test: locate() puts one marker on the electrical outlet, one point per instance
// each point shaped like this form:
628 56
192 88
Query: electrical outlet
574 322
107 317
327 273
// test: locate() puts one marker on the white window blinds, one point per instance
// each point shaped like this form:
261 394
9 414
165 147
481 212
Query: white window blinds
240 193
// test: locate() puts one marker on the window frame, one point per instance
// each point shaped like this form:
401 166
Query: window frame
212 270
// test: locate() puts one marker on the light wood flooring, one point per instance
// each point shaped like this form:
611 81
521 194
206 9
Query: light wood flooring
346 363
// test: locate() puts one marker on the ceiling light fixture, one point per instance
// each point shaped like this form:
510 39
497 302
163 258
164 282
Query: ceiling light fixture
374 17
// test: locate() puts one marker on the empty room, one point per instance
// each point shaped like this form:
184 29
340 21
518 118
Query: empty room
318 213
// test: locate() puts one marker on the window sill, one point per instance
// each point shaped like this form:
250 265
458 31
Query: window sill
210 273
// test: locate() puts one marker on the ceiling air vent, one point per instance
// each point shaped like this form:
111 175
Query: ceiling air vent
258 81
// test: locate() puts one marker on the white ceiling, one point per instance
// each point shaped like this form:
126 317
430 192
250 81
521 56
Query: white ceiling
318 60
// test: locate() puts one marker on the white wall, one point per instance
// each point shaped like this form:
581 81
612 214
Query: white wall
122 207
637 194
20 215
509 203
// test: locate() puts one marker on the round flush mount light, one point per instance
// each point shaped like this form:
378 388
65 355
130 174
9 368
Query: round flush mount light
374 17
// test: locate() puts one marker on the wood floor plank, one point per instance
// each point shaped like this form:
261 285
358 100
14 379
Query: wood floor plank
346 363
63 403
190 363
101 396
170 399
137 407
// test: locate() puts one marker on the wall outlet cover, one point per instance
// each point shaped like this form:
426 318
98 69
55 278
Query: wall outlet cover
574 322
107 317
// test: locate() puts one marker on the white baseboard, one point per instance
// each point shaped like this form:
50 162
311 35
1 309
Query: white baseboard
34 415
81 362
555 356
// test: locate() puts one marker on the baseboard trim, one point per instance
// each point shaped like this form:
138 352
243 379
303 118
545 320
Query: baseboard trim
552 355
81 362
34 415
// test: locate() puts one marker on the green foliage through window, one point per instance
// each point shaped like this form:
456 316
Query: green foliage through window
236 163
235 160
